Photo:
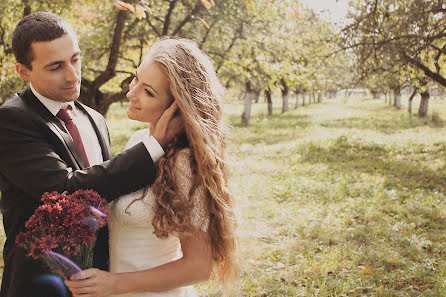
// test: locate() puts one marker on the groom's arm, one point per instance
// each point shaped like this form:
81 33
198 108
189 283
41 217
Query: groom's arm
29 162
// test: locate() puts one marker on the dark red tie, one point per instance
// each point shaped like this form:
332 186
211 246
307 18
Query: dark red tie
74 132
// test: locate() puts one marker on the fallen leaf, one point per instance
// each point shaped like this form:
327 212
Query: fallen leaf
367 270
399 285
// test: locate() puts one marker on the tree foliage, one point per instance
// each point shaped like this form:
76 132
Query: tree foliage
268 43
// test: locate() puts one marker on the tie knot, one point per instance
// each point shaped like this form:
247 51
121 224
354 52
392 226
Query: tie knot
63 114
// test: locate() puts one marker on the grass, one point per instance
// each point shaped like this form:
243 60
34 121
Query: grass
340 198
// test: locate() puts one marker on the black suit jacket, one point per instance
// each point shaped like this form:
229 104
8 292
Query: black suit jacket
37 155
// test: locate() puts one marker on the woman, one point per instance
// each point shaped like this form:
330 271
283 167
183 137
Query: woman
180 231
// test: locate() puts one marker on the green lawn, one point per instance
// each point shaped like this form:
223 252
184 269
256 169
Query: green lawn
340 198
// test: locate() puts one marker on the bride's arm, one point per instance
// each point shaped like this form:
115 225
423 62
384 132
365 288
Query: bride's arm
195 266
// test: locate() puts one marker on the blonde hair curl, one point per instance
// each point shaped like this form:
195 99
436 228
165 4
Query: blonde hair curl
194 85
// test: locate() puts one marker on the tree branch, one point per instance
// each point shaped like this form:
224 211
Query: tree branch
429 73
153 27
195 10
114 53
168 15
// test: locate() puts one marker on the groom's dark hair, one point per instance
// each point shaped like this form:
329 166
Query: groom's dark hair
39 26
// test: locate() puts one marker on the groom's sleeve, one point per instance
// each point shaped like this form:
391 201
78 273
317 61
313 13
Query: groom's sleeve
29 162
153 147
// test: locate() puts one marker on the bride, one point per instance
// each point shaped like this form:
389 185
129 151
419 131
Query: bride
180 231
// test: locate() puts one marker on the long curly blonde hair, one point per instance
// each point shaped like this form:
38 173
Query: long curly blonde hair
194 85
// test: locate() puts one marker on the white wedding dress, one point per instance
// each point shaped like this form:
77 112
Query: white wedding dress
133 245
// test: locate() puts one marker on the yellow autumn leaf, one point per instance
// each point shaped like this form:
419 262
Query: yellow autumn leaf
297 14
121 5
204 22
118 5
206 4
140 12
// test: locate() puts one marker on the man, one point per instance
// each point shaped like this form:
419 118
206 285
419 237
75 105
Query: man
51 142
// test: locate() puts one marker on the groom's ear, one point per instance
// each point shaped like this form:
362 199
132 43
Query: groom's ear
23 71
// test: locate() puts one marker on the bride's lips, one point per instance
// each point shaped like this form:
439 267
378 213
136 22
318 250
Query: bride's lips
131 106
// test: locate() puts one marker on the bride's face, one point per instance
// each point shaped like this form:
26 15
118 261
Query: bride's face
149 93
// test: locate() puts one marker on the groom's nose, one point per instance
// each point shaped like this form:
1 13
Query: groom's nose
71 74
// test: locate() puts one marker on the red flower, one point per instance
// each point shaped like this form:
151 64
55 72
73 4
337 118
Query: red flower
21 239
62 223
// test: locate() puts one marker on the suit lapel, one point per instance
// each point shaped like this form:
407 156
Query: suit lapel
106 153
54 124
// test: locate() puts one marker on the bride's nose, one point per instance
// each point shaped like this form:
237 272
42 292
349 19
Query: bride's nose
131 94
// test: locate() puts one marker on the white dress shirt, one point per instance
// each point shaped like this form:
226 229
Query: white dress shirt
88 134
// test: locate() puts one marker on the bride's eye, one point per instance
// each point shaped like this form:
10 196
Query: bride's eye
149 93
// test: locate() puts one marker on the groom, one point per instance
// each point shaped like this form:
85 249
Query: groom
51 142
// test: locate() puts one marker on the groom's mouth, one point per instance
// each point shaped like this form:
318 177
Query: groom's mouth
71 88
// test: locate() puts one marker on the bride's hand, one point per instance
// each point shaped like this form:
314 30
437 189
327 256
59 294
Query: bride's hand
168 126
92 283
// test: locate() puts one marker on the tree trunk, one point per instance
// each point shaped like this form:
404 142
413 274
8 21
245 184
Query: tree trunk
397 98
409 105
250 95
424 104
319 97
285 96
297 100
91 94
269 100
303 99
27 9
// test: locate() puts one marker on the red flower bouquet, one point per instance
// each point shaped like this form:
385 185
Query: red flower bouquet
63 230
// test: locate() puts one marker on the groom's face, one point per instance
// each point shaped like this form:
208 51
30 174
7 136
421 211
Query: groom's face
56 68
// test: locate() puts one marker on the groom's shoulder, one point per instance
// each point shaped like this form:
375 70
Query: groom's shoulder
95 114
13 103
17 101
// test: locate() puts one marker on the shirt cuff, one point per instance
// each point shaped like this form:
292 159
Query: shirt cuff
154 148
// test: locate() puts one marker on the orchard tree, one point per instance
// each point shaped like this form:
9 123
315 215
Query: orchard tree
402 33
115 35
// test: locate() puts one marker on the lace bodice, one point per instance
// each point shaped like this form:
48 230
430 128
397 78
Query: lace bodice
133 245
